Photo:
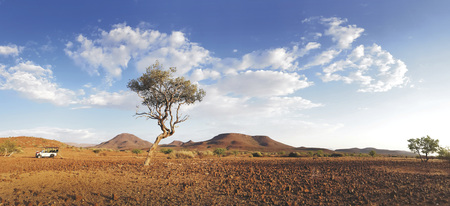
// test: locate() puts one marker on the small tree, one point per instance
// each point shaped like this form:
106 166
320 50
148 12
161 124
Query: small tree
8 148
444 153
219 151
372 153
136 151
164 95
423 145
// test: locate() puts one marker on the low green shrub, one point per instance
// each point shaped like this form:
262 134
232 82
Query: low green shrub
219 151
294 154
257 154
166 151
444 153
136 151
336 155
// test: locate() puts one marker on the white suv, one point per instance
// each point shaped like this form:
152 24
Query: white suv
47 152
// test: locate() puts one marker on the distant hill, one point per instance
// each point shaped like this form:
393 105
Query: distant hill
312 149
378 151
125 141
73 144
239 142
38 142
175 143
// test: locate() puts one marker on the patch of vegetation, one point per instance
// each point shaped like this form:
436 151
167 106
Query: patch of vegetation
294 154
444 153
136 151
219 152
257 154
235 153
182 155
8 148
336 155
166 151
206 153
319 153
372 153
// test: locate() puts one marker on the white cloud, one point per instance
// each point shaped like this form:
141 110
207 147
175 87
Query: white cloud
274 59
278 58
375 69
122 100
283 105
263 83
113 51
12 50
323 58
220 107
35 82
201 74
343 35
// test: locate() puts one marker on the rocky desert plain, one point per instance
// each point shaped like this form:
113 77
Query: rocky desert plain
80 176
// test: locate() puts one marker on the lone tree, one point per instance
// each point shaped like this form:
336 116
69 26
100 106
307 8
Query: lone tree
164 95
424 145
8 148
372 153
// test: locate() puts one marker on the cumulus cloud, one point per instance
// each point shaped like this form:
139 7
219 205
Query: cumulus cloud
224 107
274 59
263 83
278 58
126 100
323 58
375 69
342 35
112 51
35 82
12 50
201 74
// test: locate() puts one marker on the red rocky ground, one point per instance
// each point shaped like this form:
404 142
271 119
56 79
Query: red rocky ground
104 180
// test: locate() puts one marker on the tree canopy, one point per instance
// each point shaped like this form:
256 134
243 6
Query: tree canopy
164 95
424 145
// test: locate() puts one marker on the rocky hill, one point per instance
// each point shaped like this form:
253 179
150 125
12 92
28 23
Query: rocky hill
27 142
175 143
125 141
235 141
378 151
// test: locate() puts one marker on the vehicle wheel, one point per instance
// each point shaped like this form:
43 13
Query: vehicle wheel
39 156
52 155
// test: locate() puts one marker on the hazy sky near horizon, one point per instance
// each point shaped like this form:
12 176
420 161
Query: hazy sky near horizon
332 74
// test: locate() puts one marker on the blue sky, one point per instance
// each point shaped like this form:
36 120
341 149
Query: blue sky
332 74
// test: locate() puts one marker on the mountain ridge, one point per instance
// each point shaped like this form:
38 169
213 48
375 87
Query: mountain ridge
125 141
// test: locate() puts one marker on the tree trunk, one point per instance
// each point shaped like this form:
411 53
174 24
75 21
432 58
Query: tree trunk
421 158
153 148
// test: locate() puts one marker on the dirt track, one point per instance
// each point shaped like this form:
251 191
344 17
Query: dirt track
227 181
